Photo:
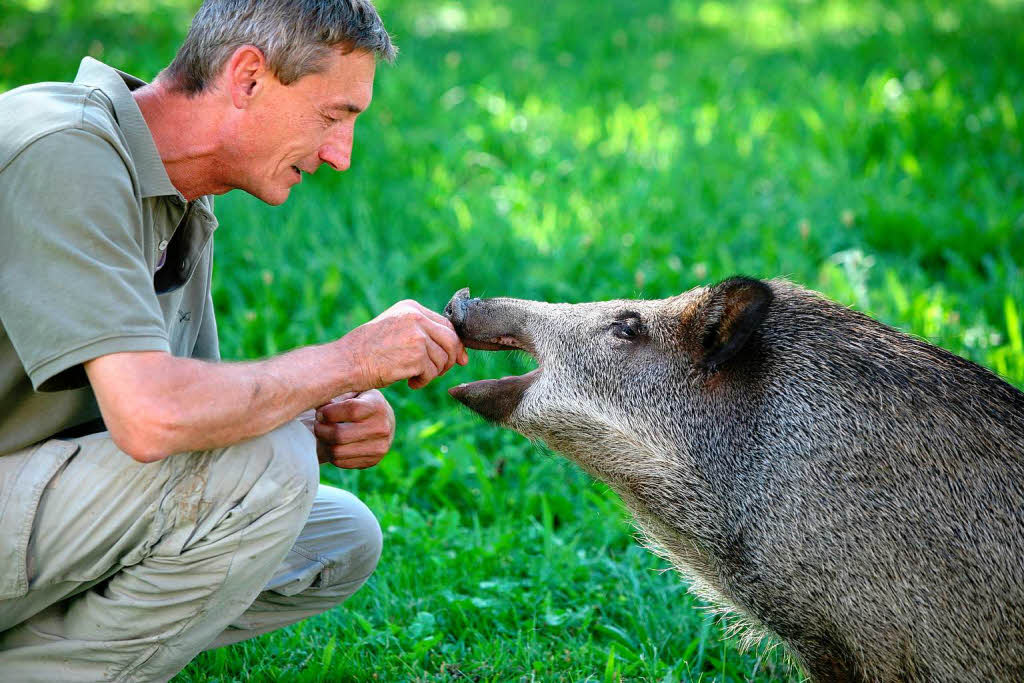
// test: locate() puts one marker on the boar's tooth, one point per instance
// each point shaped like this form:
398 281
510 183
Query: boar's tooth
507 341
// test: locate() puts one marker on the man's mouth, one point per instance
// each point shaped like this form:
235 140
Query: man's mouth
481 326
298 174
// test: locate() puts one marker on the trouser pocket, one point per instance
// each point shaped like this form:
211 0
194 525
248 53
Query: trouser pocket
23 476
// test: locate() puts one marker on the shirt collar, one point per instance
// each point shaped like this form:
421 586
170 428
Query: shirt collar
118 86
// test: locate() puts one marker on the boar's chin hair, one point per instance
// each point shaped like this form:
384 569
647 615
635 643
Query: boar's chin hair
629 453
625 453
694 564
588 434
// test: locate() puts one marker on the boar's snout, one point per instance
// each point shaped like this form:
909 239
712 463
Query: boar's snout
487 324
490 325
455 310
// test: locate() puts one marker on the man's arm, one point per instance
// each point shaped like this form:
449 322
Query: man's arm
155 404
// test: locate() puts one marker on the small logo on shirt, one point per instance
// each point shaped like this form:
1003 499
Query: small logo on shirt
184 316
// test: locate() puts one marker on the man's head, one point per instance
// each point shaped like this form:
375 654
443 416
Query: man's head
292 76
296 36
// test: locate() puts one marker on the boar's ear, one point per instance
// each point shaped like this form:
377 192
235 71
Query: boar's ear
723 323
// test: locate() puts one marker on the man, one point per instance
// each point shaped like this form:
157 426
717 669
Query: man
190 516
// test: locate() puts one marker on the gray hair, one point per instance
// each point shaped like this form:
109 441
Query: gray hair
295 36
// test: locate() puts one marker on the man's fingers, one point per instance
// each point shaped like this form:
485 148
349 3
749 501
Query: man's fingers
357 463
438 357
433 315
377 448
445 337
441 330
353 432
373 448
431 366
350 410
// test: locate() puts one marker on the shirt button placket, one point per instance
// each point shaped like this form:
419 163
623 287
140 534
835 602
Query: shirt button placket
163 254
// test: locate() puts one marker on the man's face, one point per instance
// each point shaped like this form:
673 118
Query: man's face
292 129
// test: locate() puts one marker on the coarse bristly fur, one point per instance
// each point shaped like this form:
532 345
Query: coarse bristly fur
854 492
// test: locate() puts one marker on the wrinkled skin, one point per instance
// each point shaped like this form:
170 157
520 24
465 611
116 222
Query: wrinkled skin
852 491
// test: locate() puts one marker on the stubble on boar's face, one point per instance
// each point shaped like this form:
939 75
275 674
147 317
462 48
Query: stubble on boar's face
601 367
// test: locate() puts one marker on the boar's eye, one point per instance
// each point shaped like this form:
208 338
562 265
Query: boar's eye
629 327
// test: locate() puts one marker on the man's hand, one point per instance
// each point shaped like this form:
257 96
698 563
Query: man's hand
354 431
407 341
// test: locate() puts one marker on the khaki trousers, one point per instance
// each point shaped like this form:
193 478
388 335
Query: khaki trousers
121 571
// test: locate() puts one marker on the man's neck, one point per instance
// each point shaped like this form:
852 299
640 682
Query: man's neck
184 129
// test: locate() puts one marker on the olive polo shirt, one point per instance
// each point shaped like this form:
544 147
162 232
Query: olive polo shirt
99 253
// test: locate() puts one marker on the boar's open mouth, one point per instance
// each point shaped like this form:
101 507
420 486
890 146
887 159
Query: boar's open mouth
490 325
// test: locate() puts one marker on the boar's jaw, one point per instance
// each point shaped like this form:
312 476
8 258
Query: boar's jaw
494 399
499 343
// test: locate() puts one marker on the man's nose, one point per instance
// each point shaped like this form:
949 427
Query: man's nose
337 150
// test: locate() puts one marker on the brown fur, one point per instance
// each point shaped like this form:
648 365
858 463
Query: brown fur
854 491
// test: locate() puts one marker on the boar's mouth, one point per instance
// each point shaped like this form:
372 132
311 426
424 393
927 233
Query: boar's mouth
490 325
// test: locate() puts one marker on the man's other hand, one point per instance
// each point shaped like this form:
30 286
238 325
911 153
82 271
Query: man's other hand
407 341
353 431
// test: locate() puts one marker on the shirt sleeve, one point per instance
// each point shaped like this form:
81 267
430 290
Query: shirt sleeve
74 280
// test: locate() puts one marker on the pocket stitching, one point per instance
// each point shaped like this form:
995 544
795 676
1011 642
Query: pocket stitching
63 450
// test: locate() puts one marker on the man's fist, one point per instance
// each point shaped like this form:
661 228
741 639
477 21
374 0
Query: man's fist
407 341
354 431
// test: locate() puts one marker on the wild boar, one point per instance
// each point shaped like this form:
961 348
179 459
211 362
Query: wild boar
851 490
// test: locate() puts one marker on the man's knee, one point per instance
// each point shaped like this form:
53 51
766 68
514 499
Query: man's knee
349 541
367 541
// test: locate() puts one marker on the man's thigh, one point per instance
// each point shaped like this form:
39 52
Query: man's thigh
102 512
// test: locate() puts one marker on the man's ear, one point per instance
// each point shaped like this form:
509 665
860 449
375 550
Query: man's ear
244 74
720 325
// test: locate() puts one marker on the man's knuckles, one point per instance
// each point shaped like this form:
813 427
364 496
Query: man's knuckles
350 411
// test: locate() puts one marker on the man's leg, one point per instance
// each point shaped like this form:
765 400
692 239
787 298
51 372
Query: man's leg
169 555
333 556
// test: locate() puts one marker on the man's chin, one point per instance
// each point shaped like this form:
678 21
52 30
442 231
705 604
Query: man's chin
274 197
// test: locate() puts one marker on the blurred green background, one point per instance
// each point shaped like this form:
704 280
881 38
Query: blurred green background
580 150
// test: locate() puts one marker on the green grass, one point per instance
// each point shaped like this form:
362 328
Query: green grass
576 151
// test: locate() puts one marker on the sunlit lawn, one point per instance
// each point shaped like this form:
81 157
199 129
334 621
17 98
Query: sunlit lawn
583 150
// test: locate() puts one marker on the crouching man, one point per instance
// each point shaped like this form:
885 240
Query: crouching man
155 502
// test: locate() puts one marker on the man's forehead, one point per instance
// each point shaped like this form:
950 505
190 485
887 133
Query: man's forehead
345 83
358 65
348 75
